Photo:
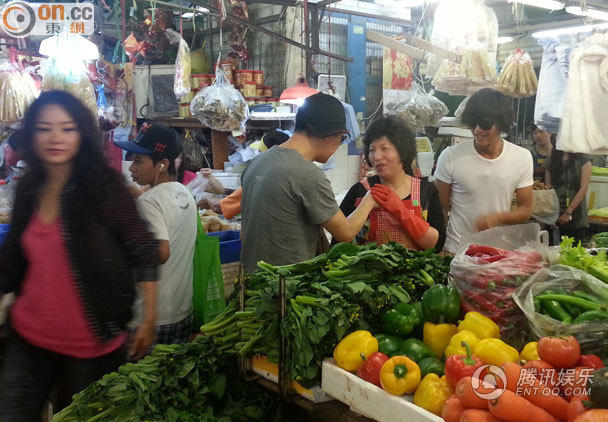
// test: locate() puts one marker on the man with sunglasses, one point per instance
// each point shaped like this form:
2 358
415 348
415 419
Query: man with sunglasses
476 180
286 197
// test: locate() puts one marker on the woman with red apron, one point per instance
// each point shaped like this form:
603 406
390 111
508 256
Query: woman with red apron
409 211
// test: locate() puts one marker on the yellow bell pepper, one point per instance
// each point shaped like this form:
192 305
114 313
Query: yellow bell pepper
493 351
432 393
455 347
530 352
482 326
351 349
400 375
437 336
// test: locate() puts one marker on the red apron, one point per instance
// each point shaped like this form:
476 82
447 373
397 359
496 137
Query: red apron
383 227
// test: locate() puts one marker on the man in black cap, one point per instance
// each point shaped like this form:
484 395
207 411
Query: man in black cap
171 212
287 199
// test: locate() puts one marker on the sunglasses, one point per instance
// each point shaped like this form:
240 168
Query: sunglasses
485 124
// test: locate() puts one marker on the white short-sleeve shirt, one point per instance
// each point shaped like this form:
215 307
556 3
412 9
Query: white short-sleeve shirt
171 213
480 186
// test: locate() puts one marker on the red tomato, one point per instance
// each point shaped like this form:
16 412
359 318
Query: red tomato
559 352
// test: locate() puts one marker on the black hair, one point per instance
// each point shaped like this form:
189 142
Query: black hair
304 128
490 105
556 166
15 138
274 137
90 167
398 133
157 158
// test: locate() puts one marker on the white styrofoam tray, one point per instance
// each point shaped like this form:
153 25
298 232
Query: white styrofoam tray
369 400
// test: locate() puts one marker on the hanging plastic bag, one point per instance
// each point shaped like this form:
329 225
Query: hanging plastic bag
17 91
182 84
518 78
208 281
487 272
592 336
193 158
220 106
105 112
545 206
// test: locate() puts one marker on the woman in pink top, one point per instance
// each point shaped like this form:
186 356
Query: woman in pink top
75 250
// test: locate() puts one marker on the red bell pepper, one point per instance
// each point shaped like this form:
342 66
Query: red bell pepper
460 366
590 361
370 370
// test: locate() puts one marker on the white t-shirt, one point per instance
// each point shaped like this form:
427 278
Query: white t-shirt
480 186
171 213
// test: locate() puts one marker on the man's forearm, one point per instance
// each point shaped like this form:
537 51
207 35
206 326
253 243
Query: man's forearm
358 218
149 293
519 215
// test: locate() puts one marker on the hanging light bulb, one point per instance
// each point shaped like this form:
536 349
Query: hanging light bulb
298 93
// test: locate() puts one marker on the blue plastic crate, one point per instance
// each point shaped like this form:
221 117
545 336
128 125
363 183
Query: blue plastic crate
230 245
4 232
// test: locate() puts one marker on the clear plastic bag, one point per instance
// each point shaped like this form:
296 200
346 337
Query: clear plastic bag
487 276
517 78
75 81
105 112
418 108
545 206
7 195
220 106
17 91
182 84
198 187
592 336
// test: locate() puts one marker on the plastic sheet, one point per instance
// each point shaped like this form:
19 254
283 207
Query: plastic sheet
592 336
486 283
220 106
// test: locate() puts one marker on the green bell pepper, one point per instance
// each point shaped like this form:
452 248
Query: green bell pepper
415 349
431 365
441 304
401 319
388 344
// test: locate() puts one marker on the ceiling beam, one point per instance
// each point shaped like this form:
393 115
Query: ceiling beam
270 33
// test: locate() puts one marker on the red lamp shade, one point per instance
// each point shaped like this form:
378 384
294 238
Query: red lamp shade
298 93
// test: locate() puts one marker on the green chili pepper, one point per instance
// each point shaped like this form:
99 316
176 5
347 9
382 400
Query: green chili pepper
581 303
591 316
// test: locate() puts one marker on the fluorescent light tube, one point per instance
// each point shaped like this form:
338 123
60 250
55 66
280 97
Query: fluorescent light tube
504 40
543 4
568 30
588 12
199 11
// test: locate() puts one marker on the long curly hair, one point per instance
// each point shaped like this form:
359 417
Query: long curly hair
90 168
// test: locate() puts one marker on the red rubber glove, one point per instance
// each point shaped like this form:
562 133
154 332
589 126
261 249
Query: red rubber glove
415 226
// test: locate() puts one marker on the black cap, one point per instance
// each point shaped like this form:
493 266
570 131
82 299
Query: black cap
323 115
154 139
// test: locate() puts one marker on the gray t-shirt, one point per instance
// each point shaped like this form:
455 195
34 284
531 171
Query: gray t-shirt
285 200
